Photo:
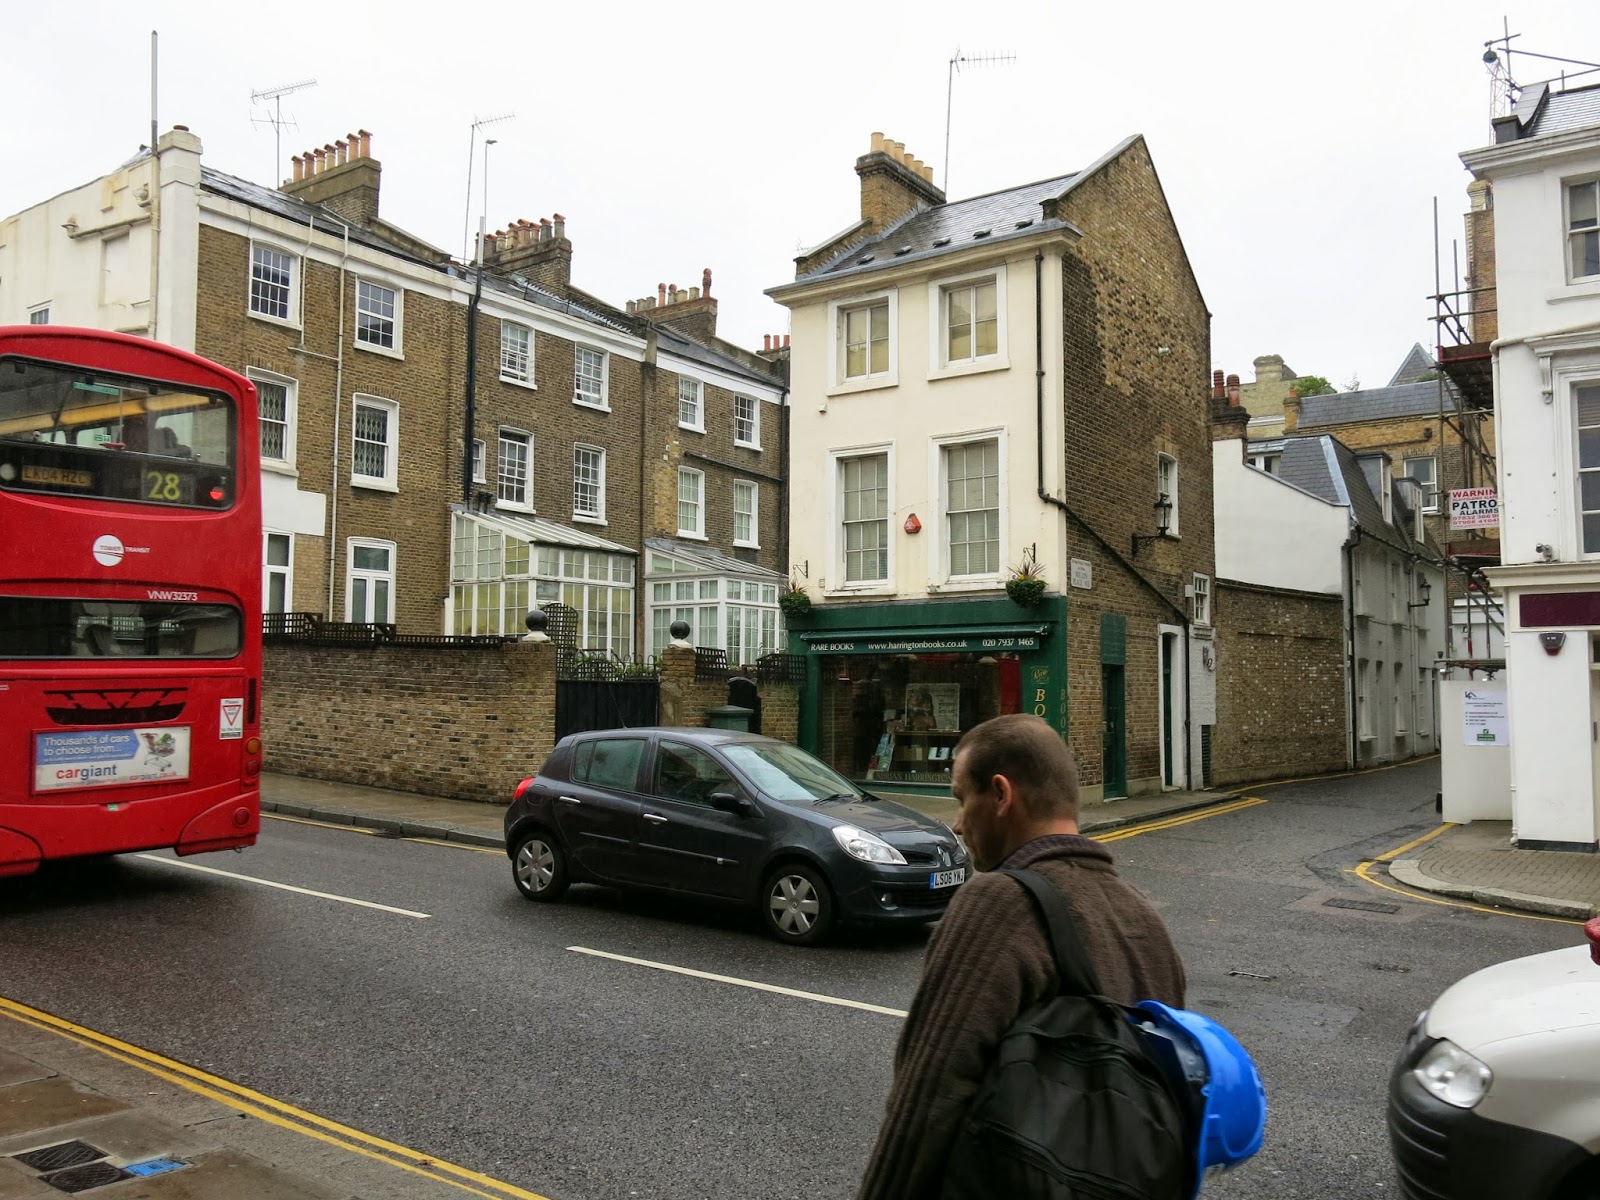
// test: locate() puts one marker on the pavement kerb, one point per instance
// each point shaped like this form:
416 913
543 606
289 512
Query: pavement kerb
446 833
1409 872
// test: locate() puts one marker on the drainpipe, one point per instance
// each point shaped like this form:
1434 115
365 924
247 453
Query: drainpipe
338 410
472 374
650 382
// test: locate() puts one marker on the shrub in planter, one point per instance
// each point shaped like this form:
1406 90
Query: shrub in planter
1026 585
795 602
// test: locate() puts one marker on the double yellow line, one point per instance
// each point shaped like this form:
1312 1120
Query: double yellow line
265 1108
1204 814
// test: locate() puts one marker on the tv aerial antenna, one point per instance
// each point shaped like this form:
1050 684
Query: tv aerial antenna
957 61
275 118
1503 86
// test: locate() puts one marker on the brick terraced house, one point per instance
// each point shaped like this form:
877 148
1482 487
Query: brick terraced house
624 462
1015 378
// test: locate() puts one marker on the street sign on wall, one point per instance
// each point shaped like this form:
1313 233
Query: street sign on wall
1474 508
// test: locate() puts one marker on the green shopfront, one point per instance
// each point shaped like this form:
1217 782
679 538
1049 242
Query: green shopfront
891 687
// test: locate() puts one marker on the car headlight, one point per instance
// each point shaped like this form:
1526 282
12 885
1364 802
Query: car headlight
868 847
1450 1074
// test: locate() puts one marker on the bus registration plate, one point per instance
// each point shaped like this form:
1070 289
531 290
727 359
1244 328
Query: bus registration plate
86 758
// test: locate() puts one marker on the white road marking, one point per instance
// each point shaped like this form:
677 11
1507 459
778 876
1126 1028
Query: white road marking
287 887
748 983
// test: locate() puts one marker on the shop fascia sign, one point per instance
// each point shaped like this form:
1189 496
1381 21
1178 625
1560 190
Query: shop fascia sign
928 641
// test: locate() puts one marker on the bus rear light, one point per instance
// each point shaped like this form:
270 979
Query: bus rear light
253 746
252 766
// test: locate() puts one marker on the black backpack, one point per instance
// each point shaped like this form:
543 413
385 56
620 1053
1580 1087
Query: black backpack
1075 1107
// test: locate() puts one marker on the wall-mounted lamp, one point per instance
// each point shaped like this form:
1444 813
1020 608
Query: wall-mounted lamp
1424 590
1163 507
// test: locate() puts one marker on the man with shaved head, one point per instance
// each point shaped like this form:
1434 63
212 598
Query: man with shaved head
989 960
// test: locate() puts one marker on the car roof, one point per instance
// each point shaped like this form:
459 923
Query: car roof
687 733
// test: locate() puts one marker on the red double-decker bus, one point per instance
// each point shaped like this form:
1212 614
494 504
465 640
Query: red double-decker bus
130 599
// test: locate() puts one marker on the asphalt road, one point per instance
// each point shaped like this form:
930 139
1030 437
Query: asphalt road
475 1033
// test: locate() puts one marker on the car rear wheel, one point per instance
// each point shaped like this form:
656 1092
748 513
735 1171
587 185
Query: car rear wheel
797 905
540 867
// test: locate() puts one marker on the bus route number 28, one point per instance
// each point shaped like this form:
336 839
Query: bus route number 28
164 486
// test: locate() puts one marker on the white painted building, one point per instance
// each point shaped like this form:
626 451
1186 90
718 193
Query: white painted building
1543 171
1327 522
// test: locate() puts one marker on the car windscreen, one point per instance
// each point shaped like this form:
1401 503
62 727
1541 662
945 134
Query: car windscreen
787 773
70 431
65 627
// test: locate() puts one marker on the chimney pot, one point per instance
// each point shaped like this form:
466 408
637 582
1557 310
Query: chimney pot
299 168
705 283
786 341
321 165
1219 389
661 293
766 341
561 226
694 293
366 142
632 304
181 128
1233 390
877 144
344 152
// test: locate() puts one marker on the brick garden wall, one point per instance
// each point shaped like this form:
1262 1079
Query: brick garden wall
468 724
685 699
1281 686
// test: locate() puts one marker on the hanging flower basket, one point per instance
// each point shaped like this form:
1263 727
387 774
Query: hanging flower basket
1026 585
795 602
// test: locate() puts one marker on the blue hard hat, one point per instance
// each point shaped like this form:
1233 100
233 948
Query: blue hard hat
1233 1104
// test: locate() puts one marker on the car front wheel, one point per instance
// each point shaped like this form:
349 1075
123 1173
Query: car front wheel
797 905
540 867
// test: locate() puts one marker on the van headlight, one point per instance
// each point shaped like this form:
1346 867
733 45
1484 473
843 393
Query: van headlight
1450 1074
868 847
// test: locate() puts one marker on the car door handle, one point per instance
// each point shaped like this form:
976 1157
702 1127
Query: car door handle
655 818
569 800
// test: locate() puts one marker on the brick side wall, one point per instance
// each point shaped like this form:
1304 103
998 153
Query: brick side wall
1281 686
1136 385
467 724
685 699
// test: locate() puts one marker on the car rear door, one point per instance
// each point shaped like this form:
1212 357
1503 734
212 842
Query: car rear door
687 845
597 808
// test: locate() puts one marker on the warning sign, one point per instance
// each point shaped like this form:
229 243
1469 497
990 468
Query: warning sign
230 719
1474 508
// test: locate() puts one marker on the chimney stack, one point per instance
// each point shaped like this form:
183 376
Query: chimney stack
691 311
538 250
893 184
343 177
1229 420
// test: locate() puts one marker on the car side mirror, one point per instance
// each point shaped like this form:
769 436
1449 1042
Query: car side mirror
728 802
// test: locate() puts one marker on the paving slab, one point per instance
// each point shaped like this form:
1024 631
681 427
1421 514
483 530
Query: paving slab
43 1103
14 1068
1479 862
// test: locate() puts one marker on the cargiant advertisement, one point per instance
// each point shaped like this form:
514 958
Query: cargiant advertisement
96 757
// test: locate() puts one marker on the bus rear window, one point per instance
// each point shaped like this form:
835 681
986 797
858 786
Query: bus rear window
69 431
52 627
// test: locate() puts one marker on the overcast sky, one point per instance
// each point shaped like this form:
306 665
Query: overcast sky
1300 146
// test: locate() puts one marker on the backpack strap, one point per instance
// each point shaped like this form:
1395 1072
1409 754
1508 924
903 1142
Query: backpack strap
1074 971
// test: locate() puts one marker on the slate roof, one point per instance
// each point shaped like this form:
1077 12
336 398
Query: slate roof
1576 108
1376 404
944 228
291 208
1417 363
1326 468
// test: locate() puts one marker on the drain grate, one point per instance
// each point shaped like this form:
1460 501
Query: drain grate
81 1179
1371 906
60 1156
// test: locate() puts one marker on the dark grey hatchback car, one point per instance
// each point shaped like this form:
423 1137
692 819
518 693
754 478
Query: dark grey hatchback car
728 816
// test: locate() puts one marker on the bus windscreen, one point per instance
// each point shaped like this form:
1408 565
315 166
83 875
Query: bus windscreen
72 432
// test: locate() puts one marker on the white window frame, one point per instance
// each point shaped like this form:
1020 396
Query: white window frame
699 532
1430 489
397 350
1363 701
598 516
753 442
509 433
1573 430
939 364
1401 684
389 481
939 577
269 569
1170 491
292 313
39 314
699 389
526 378
291 405
480 453
752 542
1267 462
1200 606
837 310
351 574
843 586
601 403
1571 234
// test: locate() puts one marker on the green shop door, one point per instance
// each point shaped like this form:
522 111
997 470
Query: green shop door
1114 762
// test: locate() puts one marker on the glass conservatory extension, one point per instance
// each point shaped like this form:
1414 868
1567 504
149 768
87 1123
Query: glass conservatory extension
729 604
500 567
